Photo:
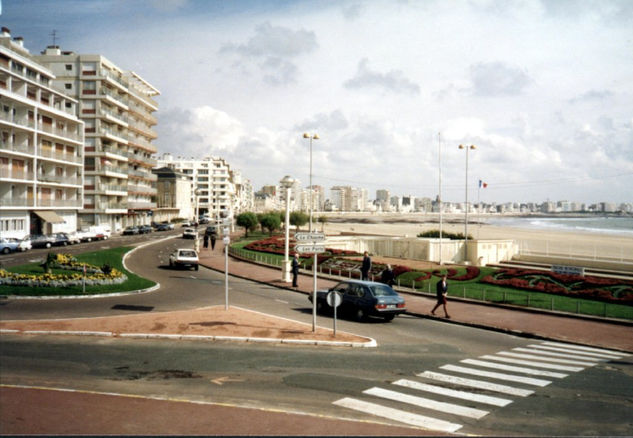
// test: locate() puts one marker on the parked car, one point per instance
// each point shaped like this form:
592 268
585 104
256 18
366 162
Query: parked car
164 227
41 240
364 298
189 233
184 258
86 235
73 237
144 229
10 244
61 239
131 230
102 232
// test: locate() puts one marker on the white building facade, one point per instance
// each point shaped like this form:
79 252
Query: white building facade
117 108
41 148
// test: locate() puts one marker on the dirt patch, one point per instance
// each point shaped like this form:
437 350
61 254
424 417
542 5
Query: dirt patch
208 321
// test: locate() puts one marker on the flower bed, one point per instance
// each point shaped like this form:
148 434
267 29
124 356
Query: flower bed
94 275
596 288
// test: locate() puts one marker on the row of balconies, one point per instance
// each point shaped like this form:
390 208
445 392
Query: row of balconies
25 148
9 201
25 176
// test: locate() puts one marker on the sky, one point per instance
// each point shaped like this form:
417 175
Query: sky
542 89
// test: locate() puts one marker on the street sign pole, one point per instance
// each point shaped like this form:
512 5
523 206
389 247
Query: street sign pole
226 241
314 291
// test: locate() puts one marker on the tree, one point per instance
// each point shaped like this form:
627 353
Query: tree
248 220
270 221
323 220
298 219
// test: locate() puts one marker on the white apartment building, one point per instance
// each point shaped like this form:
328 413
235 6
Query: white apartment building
174 193
41 147
346 198
116 106
217 190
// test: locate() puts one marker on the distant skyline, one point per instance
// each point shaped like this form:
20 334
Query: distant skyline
542 88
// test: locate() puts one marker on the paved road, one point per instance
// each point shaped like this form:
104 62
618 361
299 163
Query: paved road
548 396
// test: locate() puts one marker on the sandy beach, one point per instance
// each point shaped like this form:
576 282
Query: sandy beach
410 225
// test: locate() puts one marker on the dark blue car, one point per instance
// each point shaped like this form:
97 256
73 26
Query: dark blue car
362 299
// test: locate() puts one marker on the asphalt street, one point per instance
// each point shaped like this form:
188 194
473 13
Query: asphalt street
596 398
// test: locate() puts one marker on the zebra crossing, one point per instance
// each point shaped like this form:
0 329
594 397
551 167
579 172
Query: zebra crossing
531 367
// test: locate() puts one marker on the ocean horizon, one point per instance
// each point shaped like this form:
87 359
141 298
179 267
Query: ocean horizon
591 224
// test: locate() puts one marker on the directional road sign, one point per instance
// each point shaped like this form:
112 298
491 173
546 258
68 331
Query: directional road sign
310 248
309 237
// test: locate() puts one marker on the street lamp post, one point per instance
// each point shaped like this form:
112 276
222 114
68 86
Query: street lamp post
286 183
466 207
196 243
311 137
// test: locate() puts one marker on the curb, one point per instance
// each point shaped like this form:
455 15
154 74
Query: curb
254 340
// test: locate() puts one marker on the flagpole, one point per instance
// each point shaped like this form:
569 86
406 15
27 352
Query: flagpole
439 165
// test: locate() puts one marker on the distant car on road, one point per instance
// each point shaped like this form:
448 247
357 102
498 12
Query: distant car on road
184 257
61 239
9 244
73 237
131 230
189 233
164 227
144 229
41 240
362 299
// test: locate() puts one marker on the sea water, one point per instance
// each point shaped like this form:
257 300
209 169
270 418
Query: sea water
589 224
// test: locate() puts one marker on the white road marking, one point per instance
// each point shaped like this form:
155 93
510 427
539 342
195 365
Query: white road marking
549 366
427 403
530 371
500 376
616 354
281 301
576 352
547 355
551 359
489 400
398 415
472 383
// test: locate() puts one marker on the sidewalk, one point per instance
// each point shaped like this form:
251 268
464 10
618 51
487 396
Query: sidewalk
606 334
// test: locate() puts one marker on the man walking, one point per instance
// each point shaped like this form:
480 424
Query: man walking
365 267
441 289
295 270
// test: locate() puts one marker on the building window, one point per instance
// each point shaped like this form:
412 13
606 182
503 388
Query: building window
68 86
69 67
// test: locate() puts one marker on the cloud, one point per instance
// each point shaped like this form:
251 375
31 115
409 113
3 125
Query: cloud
334 121
592 96
493 79
393 81
272 48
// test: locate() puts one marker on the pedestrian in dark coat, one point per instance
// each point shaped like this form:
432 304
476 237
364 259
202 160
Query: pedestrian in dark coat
365 267
212 242
387 276
295 270
441 289
205 243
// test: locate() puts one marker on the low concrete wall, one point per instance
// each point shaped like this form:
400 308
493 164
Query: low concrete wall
479 252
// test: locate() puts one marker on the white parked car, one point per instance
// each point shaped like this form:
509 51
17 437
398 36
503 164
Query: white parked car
189 233
184 257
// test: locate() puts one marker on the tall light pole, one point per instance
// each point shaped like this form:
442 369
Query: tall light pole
196 244
439 166
286 183
311 137
466 207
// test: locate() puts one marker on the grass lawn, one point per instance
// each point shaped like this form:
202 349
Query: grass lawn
472 289
113 257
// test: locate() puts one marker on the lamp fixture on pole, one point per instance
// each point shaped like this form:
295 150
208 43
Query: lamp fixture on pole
466 206
311 137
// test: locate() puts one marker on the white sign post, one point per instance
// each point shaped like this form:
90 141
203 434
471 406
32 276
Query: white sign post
226 240
334 300
315 249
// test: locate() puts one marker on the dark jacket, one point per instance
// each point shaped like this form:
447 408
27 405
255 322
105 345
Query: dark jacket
295 266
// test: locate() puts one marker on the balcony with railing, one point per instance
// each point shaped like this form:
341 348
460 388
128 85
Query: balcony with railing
61 156
59 132
116 117
59 179
14 146
116 97
16 174
140 205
